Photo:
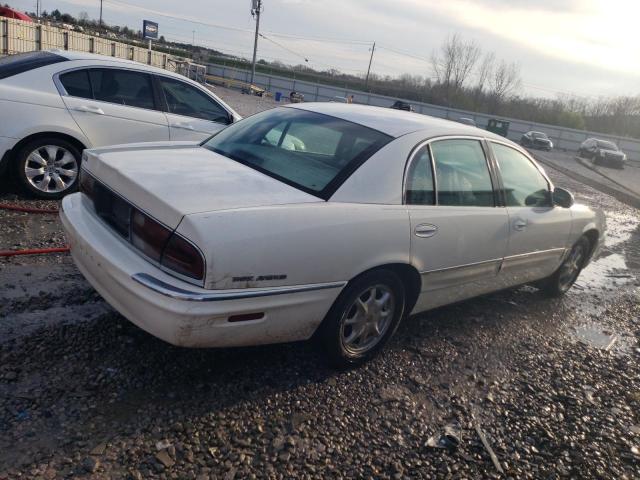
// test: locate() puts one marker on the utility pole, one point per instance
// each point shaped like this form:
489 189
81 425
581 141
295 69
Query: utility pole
100 24
193 42
255 10
366 82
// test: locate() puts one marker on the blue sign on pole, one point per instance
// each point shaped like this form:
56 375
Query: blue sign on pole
149 29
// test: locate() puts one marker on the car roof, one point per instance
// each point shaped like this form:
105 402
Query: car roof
394 123
82 56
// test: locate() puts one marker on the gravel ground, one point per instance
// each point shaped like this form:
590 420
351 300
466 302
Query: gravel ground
552 386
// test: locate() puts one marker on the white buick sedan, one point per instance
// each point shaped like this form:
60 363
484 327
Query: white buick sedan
327 219
54 104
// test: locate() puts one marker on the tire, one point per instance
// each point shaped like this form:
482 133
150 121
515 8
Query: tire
565 276
343 346
49 158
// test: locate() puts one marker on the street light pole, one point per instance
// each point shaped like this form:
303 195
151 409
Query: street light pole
257 7
366 82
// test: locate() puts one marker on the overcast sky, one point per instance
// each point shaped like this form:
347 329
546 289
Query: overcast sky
582 47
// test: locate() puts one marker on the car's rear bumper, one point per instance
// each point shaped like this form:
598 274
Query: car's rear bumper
179 312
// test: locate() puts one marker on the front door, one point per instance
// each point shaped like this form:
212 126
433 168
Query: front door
458 234
113 106
538 232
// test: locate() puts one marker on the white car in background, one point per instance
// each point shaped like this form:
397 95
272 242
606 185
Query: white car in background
328 218
54 104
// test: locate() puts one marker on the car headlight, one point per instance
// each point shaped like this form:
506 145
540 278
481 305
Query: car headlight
550 144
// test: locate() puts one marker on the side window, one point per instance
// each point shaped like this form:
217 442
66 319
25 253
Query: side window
462 173
524 185
76 83
420 179
183 99
124 87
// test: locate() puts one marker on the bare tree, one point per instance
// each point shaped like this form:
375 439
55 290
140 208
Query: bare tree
454 63
504 81
485 70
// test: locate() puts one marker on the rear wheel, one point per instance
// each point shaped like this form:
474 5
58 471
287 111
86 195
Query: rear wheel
363 318
563 279
48 167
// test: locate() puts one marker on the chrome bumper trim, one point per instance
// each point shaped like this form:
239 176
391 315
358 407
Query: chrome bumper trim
168 290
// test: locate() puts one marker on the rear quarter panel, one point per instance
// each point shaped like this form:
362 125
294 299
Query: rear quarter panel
33 103
297 244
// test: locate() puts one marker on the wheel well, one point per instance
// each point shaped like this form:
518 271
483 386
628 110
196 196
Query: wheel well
592 236
409 276
63 136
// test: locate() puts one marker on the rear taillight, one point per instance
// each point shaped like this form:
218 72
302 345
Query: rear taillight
154 240
148 236
183 258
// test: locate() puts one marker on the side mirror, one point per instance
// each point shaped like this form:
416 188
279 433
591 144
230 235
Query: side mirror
562 198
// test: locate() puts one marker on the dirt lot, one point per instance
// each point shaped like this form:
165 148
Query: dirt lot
553 385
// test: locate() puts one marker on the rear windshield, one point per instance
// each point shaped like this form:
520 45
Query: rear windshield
15 64
313 152
606 145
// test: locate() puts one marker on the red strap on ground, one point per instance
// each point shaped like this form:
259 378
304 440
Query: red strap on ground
17 208
33 251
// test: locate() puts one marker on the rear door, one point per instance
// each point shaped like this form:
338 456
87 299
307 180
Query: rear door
458 233
191 113
538 231
113 106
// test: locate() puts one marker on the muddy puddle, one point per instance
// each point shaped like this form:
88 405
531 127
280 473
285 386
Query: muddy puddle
601 337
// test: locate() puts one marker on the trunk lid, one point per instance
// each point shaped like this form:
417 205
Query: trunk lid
169 180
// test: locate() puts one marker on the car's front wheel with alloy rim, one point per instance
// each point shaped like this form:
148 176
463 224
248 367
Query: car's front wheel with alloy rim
363 318
563 279
48 167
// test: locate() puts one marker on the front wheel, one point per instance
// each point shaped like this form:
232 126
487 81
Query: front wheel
363 318
48 167
563 279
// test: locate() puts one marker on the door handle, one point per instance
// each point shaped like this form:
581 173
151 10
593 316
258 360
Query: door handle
425 230
520 225
90 109
184 126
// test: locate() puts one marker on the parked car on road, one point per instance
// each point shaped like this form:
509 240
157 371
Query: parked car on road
536 140
602 152
400 105
54 104
372 215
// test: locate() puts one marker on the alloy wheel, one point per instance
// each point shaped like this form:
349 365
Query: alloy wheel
571 267
367 319
51 168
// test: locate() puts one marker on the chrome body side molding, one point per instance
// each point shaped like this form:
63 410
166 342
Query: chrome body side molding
171 291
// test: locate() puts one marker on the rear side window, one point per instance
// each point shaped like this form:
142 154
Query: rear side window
77 84
123 87
462 173
420 189
15 64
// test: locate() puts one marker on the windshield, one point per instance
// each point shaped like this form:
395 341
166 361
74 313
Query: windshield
539 135
606 145
310 151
